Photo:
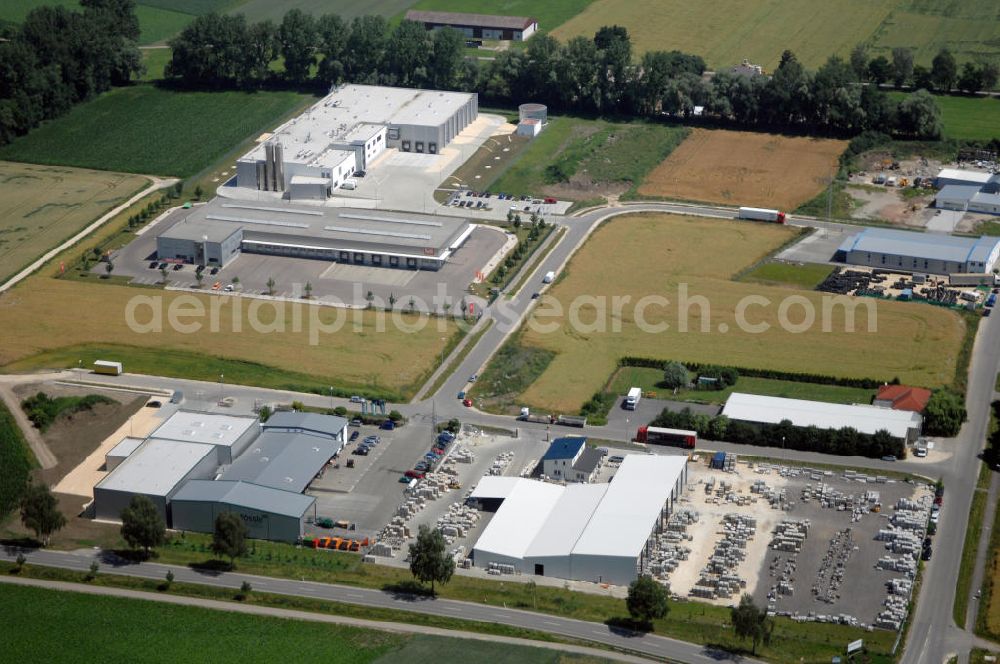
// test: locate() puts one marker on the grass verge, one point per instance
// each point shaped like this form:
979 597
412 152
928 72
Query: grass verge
16 462
525 273
458 359
798 275
973 532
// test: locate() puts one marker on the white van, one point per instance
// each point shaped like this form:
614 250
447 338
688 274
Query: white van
549 277
349 184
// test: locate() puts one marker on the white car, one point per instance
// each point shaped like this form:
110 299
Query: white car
357 399
920 452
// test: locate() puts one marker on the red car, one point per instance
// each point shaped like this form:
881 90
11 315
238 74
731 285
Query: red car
550 200
414 474
467 403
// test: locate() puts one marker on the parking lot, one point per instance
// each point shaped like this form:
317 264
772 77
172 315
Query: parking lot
331 282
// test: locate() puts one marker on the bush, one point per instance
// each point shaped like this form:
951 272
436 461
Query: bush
395 416
818 379
340 411
944 414
597 408
675 376
43 410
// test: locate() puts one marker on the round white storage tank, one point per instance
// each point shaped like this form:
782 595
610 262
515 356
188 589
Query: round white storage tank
538 112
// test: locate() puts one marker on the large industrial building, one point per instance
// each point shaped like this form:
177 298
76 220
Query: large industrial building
587 532
216 233
920 252
477 26
965 190
757 409
197 465
318 151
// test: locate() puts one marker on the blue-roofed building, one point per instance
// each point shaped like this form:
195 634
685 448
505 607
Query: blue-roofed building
933 253
570 459
268 513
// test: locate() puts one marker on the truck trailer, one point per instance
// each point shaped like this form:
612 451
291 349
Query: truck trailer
108 368
527 416
632 398
762 214
662 436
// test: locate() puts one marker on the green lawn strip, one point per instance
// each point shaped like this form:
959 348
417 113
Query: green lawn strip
118 629
458 359
577 206
149 129
16 462
493 280
649 380
195 366
513 368
156 60
972 319
804 276
550 14
973 532
157 24
525 273
689 621
43 410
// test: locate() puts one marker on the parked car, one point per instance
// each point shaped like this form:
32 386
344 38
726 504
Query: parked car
152 265
422 466
403 479
535 296
163 266
153 404
214 270
473 377
414 474
354 435
372 440
228 288
387 425
361 450
356 422
550 200
461 395
467 403
889 457
178 266
927 553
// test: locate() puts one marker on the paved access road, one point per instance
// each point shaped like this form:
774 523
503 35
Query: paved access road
650 645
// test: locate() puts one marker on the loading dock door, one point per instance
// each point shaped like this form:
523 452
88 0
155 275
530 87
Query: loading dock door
539 569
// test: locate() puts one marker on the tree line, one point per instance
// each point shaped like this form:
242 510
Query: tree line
59 57
845 441
582 75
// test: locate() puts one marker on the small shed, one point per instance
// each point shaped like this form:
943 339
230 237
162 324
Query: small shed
120 452
529 127
719 460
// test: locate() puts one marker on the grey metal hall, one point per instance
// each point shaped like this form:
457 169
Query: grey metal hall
268 513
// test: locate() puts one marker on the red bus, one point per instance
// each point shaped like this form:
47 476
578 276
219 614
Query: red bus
661 436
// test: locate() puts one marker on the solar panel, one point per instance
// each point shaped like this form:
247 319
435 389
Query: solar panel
358 231
260 222
243 206
391 220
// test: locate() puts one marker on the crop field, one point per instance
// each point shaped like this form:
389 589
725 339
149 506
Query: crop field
918 343
549 14
970 28
45 314
260 9
43 205
147 129
576 159
158 19
727 31
745 168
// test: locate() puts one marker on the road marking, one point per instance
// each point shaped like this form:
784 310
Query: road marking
549 622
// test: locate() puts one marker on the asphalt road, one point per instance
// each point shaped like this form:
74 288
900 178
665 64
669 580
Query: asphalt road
649 645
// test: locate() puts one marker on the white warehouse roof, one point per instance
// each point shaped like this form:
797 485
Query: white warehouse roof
863 418
156 467
623 520
208 428
494 487
961 174
539 520
568 518
519 519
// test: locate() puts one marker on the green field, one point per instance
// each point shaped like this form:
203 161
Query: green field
158 19
805 275
44 205
575 158
260 9
578 322
113 629
146 129
156 60
973 118
726 31
549 14
649 380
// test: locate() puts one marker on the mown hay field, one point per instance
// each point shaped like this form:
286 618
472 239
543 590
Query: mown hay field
745 168
45 314
917 343
43 205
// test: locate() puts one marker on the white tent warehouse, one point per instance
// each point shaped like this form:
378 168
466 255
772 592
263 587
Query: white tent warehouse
866 419
587 532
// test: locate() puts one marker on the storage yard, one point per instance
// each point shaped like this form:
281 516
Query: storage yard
743 168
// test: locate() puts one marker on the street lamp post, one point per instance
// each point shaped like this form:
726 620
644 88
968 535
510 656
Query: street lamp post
331 397
221 386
